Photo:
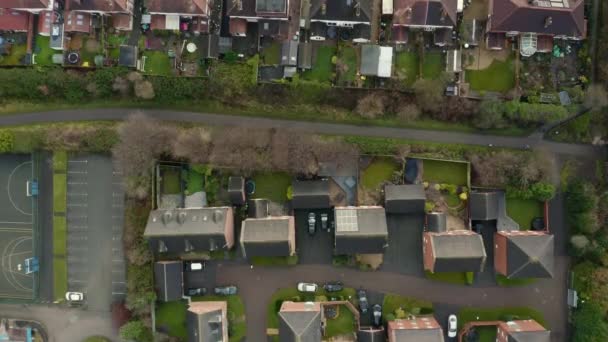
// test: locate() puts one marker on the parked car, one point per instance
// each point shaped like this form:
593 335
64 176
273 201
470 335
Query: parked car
196 291
377 314
333 286
74 296
225 290
363 304
307 287
452 324
312 223
194 266
324 219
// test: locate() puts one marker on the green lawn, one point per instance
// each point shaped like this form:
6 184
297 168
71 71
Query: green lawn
17 53
195 182
271 55
60 272
523 211
499 314
441 171
381 169
409 305
433 65
97 339
44 53
406 66
272 186
322 68
275 261
498 77
487 334
171 317
157 63
348 61
343 324
237 324
59 192
456 278
504 281
170 181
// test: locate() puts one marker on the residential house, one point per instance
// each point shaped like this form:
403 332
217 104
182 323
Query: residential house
534 23
360 230
30 6
351 16
524 254
271 16
179 15
15 20
522 331
310 195
119 12
453 251
300 322
207 322
437 16
271 236
236 190
376 60
404 199
169 280
414 330
190 230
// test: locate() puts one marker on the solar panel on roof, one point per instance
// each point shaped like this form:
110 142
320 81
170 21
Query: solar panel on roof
346 220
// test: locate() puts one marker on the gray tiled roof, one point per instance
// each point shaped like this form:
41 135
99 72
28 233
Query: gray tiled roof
300 326
530 256
405 199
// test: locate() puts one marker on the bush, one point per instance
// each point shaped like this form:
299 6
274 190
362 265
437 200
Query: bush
429 94
371 106
590 324
469 278
409 112
490 114
135 331
534 113
6 141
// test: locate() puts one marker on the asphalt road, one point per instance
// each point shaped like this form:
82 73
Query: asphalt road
533 141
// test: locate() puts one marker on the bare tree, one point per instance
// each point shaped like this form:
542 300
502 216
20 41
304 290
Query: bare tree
408 112
193 144
371 106
144 90
596 97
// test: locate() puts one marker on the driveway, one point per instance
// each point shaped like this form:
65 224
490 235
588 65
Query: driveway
534 141
404 252
63 324
317 248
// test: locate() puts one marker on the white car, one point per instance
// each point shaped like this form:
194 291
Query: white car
452 326
307 287
74 296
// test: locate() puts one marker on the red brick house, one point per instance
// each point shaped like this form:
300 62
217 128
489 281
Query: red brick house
535 23
119 12
438 16
524 254
271 16
17 15
179 15
417 329
521 331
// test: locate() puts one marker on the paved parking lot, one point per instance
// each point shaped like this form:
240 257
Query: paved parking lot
95 218
317 248
404 252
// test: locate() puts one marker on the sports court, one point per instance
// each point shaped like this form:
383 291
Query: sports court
17 217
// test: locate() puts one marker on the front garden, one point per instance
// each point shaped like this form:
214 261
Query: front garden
397 307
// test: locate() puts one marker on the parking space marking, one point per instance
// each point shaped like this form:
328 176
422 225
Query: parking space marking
78 172
79 205
78 161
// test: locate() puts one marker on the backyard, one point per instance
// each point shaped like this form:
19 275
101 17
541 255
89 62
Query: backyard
380 170
346 65
18 51
272 186
114 42
271 54
448 172
504 281
171 179
433 65
44 53
524 211
157 63
323 68
406 67
344 323
498 77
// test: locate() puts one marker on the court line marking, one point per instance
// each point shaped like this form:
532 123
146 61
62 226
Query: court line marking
8 188
15 222
6 258
16 230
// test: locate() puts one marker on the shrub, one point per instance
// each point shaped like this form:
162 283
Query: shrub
6 141
144 90
371 106
489 115
135 331
429 94
589 324
409 112
469 278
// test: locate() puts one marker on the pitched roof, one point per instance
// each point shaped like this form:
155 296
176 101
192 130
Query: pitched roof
341 10
33 4
530 336
424 12
376 60
360 230
236 186
257 8
300 322
524 331
270 236
405 199
207 322
11 20
178 6
522 16
529 254
457 251
99 5
187 222
419 329
168 280
484 205
310 194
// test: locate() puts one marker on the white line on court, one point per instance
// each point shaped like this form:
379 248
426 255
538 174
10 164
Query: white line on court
78 183
8 188
78 161
80 205
78 172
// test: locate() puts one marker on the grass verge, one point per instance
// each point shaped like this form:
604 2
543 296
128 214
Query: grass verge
392 302
275 261
456 278
60 272
504 281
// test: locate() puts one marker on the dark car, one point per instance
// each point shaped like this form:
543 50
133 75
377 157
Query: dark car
225 290
377 314
194 266
333 286
363 304
196 291
312 223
